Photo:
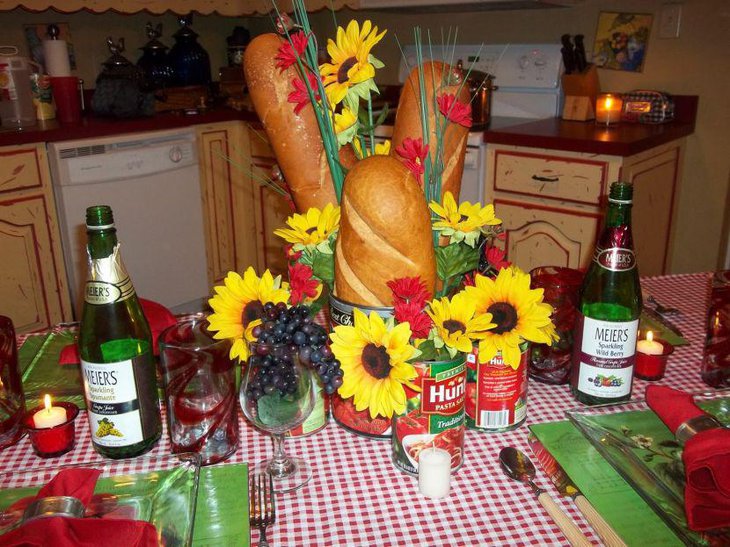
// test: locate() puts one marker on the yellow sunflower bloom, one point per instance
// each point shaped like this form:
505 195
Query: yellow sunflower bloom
457 323
346 125
350 55
464 221
517 310
311 229
374 358
238 307
381 149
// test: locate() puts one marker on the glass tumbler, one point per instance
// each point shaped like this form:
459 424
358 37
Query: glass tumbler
551 364
12 400
200 390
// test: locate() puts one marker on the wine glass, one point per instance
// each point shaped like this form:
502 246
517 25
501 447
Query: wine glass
277 395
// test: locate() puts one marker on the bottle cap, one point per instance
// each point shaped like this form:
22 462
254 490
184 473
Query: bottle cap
621 192
99 217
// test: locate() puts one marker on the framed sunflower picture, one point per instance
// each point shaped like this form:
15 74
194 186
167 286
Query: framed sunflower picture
621 40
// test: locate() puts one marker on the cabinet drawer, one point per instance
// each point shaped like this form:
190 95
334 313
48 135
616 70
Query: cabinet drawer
554 177
19 169
259 143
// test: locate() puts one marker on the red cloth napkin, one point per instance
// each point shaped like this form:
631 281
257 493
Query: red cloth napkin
78 532
706 458
158 316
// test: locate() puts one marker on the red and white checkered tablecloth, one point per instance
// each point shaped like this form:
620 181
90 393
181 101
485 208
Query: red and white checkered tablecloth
357 496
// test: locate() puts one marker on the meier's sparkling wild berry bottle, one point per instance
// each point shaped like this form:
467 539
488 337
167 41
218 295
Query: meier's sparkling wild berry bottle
604 347
115 344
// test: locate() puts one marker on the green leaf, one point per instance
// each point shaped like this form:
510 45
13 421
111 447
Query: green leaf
377 63
455 259
323 266
274 410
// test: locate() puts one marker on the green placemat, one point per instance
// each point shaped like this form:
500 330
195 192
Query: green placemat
660 330
221 515
608 492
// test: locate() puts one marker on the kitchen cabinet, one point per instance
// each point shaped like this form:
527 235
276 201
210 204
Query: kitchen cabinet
552 202
33 284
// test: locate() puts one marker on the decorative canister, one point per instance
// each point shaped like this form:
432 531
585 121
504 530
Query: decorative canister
190 63
496 393
434 417
343 410
153 61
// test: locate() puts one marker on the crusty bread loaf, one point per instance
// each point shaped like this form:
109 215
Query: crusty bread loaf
295 138
408 122
385 232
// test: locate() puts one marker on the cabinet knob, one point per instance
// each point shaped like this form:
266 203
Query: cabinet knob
545 179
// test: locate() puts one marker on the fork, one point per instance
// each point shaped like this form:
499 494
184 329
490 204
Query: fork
261 504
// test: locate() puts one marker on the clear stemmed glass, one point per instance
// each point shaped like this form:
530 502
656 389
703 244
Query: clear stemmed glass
277 395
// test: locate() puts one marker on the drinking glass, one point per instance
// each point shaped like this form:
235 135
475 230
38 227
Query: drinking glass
277 395
200 390
12 401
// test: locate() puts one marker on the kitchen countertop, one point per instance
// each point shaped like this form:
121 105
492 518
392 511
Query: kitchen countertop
626 139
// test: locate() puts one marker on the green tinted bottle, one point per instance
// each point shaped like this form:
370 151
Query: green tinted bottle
116 350
604 346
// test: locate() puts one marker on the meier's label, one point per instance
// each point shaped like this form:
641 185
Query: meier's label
115 416
606 354
615 259
108 280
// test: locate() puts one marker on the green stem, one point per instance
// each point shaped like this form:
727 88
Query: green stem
372 129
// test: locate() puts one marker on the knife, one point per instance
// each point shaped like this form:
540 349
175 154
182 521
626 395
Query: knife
568 55
580 53
566 487
662 320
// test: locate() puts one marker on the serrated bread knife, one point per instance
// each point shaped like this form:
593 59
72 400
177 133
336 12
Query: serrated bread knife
566 487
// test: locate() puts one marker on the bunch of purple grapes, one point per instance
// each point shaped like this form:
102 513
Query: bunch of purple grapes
294 328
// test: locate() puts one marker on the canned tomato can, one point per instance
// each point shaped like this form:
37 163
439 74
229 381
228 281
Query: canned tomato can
496 393
434 417
318 419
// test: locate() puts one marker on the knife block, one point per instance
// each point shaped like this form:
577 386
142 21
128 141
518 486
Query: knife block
580 92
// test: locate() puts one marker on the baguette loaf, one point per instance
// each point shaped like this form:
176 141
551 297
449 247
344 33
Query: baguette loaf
295 138
385 232
408 121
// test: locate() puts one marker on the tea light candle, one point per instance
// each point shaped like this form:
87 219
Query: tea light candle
649 346
434 472
608 108
50 416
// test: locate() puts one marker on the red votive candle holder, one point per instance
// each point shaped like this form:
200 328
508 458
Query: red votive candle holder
652 367
49 442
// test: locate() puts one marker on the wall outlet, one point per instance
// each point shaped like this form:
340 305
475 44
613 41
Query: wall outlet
669 19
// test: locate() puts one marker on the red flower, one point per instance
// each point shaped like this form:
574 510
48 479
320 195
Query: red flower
302 284
414 153
300 96
287 55
495 257
469 279
291 254
454 110
413 313
409 289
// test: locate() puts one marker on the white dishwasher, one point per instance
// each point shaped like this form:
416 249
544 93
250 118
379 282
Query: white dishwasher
152 183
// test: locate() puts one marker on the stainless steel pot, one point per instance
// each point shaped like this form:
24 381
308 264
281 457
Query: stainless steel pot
481 85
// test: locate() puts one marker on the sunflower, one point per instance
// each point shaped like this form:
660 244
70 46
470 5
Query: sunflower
374 358
517 310
345 126
238 307
351 61
311 229
457 324
381 149
462 222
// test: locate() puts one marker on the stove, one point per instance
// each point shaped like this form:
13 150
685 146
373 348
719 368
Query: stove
527 77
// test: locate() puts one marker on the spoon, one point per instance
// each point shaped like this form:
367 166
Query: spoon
518 466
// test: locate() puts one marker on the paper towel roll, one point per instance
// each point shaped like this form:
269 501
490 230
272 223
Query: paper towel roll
55 54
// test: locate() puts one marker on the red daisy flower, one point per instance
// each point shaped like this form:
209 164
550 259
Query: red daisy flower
302 284
409 289
413 313
414 154
454 110
287 55
495 257
300 96
469 279
291 254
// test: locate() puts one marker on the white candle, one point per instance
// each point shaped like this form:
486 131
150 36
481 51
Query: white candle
434 472
50 416
649 346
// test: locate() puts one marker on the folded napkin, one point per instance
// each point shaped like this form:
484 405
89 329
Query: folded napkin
158 316
77 532
706 458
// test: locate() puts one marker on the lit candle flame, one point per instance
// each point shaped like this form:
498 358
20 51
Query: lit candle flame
650 336
609 103
47 402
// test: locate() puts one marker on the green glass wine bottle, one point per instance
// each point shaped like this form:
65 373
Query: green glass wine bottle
115 345
604 346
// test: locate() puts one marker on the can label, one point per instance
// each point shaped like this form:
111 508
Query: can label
496 394
434 417
317 420
359 421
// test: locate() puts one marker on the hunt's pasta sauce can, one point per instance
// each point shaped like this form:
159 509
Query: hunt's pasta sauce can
434 417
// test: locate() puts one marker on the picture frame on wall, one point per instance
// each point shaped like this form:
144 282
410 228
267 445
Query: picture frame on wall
35 34
622 40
